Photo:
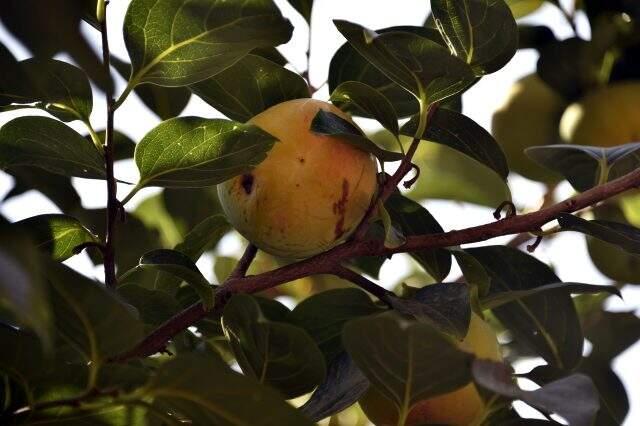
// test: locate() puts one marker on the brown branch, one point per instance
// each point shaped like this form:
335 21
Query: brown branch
362 282
113 206
328 261
245 261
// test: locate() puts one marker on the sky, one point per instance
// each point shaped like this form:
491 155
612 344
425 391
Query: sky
567 253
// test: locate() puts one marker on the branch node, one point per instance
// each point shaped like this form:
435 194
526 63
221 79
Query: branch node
533 246
409 182
510 210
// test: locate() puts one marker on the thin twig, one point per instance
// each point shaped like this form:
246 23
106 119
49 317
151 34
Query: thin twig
362 282
113 205
244 262
326 262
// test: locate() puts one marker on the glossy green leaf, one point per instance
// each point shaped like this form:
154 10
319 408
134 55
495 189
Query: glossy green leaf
56 234
87 315
444 306
461 133
574 397
361 99
249 87
328 123
50 145
165 102
59 88
622 235
276 353
502 298
349 65
415 363
343 386
483 33
587 166
22 289
323 316
180 42
201 238
181 266
413 219
547 323
419 65
184 384
193 152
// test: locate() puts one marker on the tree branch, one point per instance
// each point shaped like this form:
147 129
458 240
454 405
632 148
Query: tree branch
244 262
327 262
113 205
362 282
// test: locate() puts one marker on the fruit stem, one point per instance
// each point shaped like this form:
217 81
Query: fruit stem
245 261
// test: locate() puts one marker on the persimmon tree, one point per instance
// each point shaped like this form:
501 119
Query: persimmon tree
156 343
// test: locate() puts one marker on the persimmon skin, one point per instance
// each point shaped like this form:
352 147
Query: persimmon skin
607 117
460 407
311 191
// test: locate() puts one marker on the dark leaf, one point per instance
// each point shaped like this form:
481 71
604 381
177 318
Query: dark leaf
483 33
547 322
165 40
361 99
415 363
154 306
419 65
249 87
323 316
413 219
181 386
461 133
56 234
445 306
123 146
304 8
574 397
622 235
55 187
535 36
50 145
328 123
343 386
9 65
181 266
193 152
586 166
276 353
473 271
567 67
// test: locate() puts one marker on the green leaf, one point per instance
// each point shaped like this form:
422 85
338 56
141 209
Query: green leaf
461 133
55 187
193 152
59 88
547 323
343 386
249 87
415 363
587 166
444 306
201 238
9 65
348 65
276 353
614 401
328 123
123 146
22 356
522 8
473 271
483 33
568 66
622 235
90 318
324 314
57 234
413 219
179 42
361 99
165 102
184 384
154 306
496 300
50 145
574 397
418 64
304 8
181 266
22 290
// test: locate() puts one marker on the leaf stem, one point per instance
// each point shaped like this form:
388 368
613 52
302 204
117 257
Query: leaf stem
130 195
362 282
113 205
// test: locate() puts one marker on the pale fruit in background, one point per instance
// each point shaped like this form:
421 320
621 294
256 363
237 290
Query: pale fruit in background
310 192
530 116
460 407
608 116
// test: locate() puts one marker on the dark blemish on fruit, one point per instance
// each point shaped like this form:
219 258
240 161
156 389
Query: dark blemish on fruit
340 209
301 160
297 185
247 183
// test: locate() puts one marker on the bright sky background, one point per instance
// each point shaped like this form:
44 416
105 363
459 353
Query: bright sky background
567 253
